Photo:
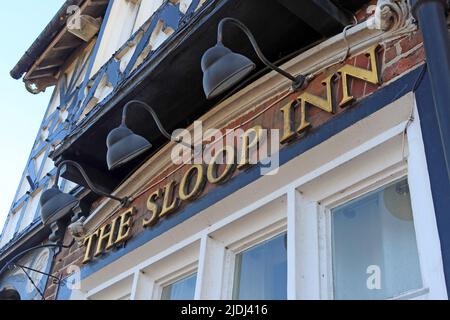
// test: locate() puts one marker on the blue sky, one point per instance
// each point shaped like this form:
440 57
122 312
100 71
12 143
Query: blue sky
21 112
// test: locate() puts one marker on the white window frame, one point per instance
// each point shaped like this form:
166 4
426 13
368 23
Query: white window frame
325 219
241 245
146 281
414 168
173 278
119 290
176 267
230 262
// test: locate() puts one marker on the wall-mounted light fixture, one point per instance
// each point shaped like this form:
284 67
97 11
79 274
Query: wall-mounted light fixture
56 204
223 68
124 145
9 293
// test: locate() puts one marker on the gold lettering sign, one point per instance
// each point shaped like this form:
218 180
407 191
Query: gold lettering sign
196 173
212 174
359 73
255 133
326 104
88 242
116 232
106 233
153 207
165 200
170 199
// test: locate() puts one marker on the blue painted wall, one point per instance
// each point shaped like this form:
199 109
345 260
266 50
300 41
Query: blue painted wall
440 185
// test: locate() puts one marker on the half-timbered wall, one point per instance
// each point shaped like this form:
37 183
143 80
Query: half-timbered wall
38 175
131 31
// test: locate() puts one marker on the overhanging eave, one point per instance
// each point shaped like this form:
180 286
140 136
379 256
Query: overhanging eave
171 79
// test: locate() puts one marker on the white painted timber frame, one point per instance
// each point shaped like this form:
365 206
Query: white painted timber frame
379 149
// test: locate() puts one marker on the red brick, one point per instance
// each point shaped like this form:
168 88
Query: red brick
338 89
50 292
390 54
370 88
391 43
51 297
357 85
71 259
410 42
403 65
362 14
74 248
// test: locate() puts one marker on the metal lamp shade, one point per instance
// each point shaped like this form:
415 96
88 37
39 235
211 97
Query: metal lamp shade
222 69
123 146
9 293
56 205
398 202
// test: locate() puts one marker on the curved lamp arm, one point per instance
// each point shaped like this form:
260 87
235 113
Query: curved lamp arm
298 81
123 201
23 253
155 117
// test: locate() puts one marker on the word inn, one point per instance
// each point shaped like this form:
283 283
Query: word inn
327 104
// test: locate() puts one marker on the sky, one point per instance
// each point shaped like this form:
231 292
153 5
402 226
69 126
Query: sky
21 113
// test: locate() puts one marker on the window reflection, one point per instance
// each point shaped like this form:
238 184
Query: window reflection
374 245
261 272
181 290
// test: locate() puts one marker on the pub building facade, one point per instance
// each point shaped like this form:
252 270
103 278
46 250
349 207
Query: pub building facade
350 199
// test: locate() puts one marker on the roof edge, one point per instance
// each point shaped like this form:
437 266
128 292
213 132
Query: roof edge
43 40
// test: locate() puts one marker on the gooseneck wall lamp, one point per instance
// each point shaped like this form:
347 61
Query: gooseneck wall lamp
9 293
124 145
223 68
56 204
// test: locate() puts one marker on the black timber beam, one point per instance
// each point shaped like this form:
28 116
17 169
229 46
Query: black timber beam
322 15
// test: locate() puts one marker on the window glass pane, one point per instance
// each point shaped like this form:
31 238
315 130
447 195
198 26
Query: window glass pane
261 272
181 290
374 245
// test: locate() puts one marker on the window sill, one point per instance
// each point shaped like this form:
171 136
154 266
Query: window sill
411 294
